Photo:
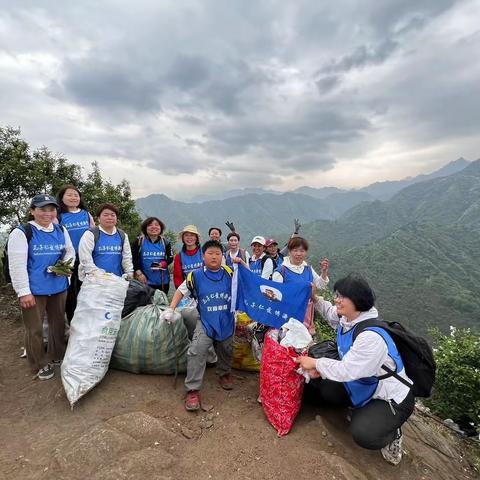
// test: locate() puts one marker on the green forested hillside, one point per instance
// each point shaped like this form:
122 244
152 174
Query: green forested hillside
424 275
420 250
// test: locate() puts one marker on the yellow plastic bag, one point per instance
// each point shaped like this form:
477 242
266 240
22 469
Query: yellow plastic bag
242 345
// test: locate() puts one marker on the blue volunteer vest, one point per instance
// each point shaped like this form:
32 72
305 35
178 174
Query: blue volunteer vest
228 258
76 224
279 260
292 277
44 250
213 291
256 266
362 390
150 253
190 262
108 254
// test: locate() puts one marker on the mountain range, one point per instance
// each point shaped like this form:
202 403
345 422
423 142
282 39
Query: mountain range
419 248
268 212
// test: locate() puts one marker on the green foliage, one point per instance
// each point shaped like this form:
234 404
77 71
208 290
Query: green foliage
24 174
172 236
323 330
456 393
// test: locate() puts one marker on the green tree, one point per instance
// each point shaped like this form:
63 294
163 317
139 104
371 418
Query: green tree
24 174
456 393
96 190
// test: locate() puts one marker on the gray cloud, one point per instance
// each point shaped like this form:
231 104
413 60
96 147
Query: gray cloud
222 89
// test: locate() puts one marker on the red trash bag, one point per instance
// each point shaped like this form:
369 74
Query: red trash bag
281 387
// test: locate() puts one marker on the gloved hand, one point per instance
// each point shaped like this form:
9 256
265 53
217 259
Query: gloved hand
230 225
297 224
168 315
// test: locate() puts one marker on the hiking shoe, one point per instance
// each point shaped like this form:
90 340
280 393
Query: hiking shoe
392 453
46 373
226 381
192 402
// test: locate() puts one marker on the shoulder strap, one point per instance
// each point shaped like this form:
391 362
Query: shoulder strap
375 322
122 235
96 235
27 230
191 283
140 240
228 270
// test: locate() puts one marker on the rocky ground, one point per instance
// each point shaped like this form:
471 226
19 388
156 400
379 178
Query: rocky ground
134 426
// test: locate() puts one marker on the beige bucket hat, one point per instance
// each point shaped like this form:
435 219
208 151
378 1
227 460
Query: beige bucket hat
189 229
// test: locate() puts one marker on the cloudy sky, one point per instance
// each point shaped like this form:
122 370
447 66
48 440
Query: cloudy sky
189 97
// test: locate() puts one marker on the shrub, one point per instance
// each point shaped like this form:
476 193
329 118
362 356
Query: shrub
456 393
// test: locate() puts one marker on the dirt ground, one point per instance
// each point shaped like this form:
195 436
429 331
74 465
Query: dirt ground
134 427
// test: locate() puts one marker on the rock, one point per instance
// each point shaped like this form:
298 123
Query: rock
143 428
93 449
187 433
146 463
324 433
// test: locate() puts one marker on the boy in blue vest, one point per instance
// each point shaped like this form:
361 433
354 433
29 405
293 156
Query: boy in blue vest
211 286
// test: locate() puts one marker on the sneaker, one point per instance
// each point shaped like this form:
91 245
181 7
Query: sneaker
24 353
192 402
46 373
56 363
392 453
226 381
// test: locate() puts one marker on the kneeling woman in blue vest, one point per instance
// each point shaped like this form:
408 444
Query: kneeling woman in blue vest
32 248
211 286
105 247
380 405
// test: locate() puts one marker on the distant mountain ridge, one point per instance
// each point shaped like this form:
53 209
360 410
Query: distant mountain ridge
378 190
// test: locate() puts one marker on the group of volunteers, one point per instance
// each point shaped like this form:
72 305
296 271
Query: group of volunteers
62 229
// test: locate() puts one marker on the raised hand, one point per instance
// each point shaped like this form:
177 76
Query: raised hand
297 225
230 225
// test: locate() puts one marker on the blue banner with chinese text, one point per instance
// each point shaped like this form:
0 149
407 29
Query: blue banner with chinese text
268 302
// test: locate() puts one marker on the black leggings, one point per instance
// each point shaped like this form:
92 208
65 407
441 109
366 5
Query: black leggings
374 425
72 292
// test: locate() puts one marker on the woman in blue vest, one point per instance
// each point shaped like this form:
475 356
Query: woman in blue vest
32 248
234 250
190 256
105 247
381 405
74 216
152 254
295 269
260 263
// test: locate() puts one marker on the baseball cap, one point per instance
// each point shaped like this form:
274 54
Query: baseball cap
258 239
42 200
271 241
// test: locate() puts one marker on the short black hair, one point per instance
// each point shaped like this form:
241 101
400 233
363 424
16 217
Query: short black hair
356 288
212 244
150 220
214 228
107 206
233 234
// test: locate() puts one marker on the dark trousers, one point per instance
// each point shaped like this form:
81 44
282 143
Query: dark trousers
374 425
54 305
72 292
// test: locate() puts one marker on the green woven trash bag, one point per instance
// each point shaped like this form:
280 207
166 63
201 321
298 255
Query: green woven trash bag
146 344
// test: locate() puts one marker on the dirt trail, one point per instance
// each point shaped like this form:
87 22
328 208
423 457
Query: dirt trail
135 426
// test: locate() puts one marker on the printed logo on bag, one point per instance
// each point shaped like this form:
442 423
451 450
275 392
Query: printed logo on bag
271 293
108 315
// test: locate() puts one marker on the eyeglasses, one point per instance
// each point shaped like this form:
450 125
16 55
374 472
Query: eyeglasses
338 296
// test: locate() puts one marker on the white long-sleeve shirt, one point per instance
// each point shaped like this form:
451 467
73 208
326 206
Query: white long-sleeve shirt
365 357
85 250
18 256
317 279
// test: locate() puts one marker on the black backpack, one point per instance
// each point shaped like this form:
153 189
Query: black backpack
416 353
96 235
27 230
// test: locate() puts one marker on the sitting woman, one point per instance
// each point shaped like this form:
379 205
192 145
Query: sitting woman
295 269
381 404
152 254
105 247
